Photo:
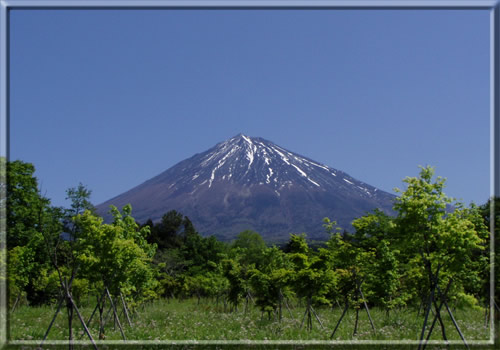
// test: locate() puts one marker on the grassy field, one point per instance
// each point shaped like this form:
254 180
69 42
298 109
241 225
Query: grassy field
187 320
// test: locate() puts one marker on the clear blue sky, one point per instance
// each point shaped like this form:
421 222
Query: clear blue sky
111 98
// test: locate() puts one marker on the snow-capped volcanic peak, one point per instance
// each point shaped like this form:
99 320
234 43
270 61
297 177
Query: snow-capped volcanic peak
251 183
254 160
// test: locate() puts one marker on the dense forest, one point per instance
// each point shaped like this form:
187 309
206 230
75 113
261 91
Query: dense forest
434 252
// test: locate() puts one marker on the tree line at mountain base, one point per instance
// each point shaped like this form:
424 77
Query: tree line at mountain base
433 256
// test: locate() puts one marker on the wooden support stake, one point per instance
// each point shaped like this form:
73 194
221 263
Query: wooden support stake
280 306
356 323
61 299
486 314
432 326
251 298
438 315
286 304
82 321
95 309
427 311
125 310
317 318
303 318
456 325
116 314
15 303
108 314
366 308
496 305
438 309
309 318
341 317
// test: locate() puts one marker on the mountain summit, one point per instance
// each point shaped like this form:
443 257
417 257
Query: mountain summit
251 183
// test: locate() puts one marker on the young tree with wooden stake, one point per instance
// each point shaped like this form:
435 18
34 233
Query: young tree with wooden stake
350 264
382 284
313 278
70 246
271 282
237 276
439 239
114 256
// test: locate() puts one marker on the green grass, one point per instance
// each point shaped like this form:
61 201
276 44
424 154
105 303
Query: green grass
187 320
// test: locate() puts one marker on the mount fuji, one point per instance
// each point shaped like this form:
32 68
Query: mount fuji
249 183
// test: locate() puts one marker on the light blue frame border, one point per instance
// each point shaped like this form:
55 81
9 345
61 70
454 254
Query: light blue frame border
492 5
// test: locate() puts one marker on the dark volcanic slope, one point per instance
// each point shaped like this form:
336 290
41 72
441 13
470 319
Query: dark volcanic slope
251 183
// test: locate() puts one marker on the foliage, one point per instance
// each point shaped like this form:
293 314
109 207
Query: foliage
314 277
116 255
251 247
237 276
171 232
25 204
382 285
437 240
350 264
31 224
271 282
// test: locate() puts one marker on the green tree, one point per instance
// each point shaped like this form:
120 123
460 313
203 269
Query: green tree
375 235
372 228
172 230
21 263
251 247
313 277
238 276
30 220
25 204
271 282
439 242
351 264
490 212
115 257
